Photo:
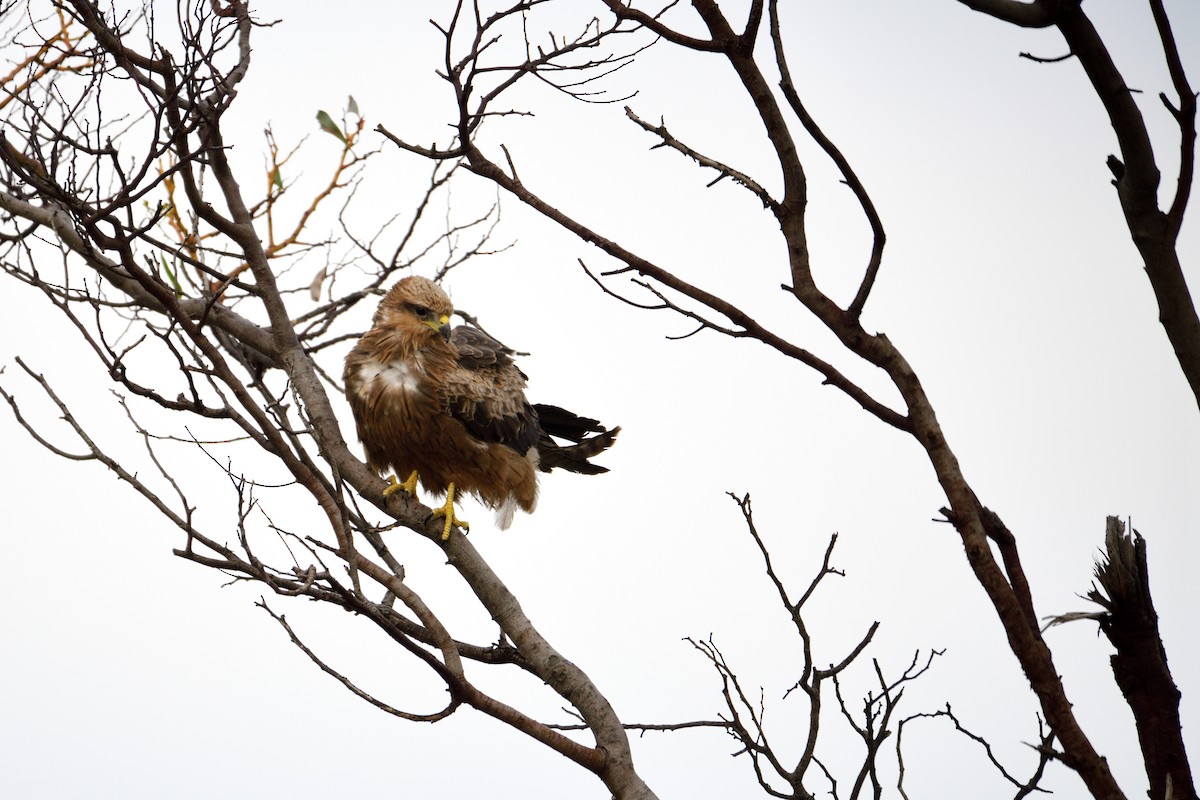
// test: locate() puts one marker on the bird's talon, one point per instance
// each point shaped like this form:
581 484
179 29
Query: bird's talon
447 511
409 486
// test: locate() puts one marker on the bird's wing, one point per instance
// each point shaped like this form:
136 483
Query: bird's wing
486 392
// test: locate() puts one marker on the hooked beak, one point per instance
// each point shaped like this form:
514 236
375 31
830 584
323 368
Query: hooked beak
442 326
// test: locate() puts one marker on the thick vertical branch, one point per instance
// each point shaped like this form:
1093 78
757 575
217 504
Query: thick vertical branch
1024 639
1140 664
1136 174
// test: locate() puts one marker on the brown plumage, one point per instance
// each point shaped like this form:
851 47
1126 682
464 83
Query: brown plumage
450 406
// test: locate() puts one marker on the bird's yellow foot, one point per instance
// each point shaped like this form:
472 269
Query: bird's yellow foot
447 511
409 486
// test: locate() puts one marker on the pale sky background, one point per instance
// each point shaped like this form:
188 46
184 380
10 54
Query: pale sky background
1009 283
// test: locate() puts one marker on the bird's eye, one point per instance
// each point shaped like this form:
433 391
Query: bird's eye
420 311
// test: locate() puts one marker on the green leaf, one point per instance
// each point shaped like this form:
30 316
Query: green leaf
277 179
327 124
171 274
352 107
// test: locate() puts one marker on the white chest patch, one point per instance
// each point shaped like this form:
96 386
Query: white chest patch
398 376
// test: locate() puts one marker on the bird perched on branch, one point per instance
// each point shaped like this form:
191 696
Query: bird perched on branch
446 407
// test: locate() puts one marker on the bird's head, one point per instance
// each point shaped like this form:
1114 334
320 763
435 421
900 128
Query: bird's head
416 305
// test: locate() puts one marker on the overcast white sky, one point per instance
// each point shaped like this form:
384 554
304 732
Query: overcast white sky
1009 282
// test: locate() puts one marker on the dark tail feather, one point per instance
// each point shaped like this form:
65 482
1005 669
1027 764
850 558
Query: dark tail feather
562 424
559 422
